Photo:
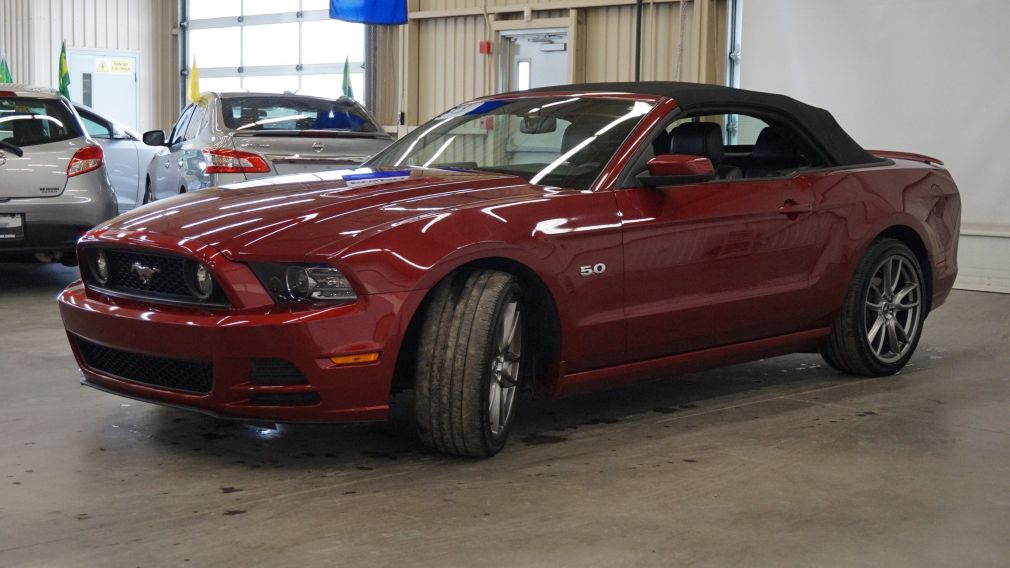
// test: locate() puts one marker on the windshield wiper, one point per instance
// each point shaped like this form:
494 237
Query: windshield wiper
12 148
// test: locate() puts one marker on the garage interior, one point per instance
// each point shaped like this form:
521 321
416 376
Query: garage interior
778 462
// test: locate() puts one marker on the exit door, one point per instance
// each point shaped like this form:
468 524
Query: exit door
106 82
533 58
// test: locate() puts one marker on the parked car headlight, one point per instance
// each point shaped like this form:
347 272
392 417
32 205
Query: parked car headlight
101 267
304 283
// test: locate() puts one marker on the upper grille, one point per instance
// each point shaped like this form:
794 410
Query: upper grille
169 281
187 376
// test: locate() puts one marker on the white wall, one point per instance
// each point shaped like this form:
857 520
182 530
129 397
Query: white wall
927 76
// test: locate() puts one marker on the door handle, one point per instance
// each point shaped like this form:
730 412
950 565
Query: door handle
793 210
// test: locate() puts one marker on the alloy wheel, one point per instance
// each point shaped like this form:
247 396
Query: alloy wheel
505 367
893 306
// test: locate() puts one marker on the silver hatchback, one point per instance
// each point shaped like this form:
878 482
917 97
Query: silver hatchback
232 137
53 181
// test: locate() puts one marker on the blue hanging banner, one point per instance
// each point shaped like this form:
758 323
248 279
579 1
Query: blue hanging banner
378 12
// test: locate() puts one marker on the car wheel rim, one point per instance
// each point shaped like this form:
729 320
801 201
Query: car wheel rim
505 367
893 305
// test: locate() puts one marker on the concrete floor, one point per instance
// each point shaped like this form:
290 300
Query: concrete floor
775 463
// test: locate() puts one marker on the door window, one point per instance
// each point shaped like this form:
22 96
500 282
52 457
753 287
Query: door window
96 127
748 146
180 126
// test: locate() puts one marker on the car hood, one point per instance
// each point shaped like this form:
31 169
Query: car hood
298 216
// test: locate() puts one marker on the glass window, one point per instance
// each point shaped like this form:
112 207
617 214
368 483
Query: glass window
550 141
215 47
271 44
254 7
315 5
96 128
318 45
294 113
196 123
271 84
202 9
221 84
328 86
27 122
180 126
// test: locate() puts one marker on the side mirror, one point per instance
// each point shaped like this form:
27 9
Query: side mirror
677 169
538 125
154 138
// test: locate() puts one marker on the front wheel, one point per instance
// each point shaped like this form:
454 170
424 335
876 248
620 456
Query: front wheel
469 364
880 323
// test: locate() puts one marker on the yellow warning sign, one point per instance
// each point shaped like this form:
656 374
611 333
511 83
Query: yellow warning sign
109 65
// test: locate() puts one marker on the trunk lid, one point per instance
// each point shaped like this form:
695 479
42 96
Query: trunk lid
40 172
301 151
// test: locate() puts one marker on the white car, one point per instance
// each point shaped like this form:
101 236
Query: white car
126 157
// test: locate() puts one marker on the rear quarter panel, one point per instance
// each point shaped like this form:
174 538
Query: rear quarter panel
862 203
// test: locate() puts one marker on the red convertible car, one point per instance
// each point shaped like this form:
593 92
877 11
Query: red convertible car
558 240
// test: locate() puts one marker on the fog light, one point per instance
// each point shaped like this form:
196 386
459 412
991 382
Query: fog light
204 282
102 268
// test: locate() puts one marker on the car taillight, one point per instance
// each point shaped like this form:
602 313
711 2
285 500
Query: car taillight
224 161
8 94
85 160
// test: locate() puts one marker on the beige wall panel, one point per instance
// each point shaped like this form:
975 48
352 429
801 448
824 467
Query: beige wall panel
15 35
450 71
32 31
680 40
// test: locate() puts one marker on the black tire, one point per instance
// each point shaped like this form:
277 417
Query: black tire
147 192
456 358
849 348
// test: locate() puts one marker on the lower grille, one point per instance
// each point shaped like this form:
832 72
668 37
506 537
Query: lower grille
186 376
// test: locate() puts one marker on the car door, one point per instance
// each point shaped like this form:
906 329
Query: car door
122 159
166 173
718 262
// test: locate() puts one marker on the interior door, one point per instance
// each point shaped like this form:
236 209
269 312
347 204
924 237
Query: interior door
106 82
717 263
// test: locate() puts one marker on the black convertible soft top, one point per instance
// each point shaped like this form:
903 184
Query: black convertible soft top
817 123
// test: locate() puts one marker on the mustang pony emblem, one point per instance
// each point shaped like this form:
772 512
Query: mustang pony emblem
145 273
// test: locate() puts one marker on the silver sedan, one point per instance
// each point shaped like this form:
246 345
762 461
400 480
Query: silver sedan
232 137
53 180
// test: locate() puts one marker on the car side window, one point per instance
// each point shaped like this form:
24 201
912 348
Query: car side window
740 146
196 122
180 126
96 128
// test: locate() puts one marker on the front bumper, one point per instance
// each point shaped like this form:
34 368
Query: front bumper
230 341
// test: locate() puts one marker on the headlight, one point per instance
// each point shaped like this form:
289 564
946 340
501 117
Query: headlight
303 283
101 267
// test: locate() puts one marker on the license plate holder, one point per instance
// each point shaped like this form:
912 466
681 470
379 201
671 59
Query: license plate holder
12 227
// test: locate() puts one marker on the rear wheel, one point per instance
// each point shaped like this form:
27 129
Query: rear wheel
880 323
470 363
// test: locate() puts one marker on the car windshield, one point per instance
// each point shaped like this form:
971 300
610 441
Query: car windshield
295 113
563 142
28 122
